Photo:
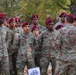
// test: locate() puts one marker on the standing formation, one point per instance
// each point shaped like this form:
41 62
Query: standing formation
51 47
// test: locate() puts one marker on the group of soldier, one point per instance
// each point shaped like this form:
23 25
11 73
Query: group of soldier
34 45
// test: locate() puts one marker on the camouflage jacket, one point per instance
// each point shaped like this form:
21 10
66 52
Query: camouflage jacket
46 43
66 43
24 42
3 42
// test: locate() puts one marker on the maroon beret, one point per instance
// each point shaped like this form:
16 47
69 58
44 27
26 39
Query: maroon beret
59 27
63 14
10 20
71 16
34 27
74 18
35 16
48 20
25 23
17 20
2 15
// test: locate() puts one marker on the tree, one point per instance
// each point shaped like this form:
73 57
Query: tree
44 8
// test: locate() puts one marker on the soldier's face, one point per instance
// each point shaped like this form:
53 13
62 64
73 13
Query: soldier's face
63 19
12 24
74 23
50 26
5 23
1 21
36 31
35 21
26 28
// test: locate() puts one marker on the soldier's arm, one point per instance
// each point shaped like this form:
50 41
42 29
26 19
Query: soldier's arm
58 40
39 43
16 41
9 38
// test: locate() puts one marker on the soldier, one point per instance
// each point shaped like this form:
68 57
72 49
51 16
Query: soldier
61 21
18 28
25 43
11 23
35 31
59 27
4 60
74 23
5 24
66 58
34 19
46 42
17 31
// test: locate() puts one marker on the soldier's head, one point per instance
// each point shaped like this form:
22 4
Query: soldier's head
18 22
49 24
59 27
35 29
11 22
69 18
26 27
74 23
5 23
62 17
34 19
2 17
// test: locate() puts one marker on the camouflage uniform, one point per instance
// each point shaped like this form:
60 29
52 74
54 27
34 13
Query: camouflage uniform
66 44
24 43
46 42
17 31
10 48
4 60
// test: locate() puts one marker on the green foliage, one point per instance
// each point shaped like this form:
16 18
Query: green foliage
25 8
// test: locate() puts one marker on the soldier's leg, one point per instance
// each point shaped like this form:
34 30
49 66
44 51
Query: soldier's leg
11 65
14 59
61 67
71 69
5 66
0 66
37 60
31 60
53 62
20 67
31 63
44 62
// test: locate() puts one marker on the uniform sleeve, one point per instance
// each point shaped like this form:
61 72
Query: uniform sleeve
9 38
16 41
58 40
40 40
30 48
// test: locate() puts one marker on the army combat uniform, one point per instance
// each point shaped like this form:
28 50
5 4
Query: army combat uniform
25 45
4 60
66 58
46 42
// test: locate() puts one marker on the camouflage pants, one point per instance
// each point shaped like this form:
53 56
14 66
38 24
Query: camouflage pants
14 59
53 62
20 64
44 62
11 64
65 68
37 60
4 66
